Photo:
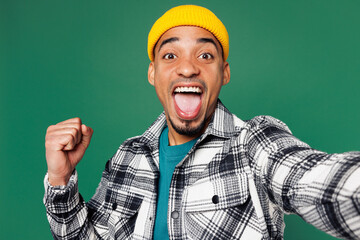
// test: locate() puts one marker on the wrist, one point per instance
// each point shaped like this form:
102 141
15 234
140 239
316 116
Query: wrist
58 180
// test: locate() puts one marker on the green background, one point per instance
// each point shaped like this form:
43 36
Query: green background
298 61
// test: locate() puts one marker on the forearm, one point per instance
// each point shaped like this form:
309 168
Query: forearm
328 196
322 188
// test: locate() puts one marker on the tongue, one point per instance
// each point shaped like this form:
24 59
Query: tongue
187 102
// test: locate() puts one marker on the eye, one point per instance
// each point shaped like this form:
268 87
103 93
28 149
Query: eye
206 56
169 56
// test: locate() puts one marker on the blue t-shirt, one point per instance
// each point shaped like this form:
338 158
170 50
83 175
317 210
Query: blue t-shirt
169 157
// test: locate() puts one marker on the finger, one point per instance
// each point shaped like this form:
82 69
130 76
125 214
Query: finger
71 123
70 144
75 123
60 133
75 120
60 142
66 125
68 130
86 135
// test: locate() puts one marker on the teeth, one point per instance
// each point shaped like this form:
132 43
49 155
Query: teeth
188 90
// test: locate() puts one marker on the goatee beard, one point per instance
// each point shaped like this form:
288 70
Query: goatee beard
187 130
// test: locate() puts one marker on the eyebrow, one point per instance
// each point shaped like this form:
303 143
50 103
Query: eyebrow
169 40
207 40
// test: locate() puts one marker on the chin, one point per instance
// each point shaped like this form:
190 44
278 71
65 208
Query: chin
186 128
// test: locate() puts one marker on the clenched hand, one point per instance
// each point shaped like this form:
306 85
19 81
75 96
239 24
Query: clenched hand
65 143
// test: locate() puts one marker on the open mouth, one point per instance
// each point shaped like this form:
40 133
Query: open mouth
187 101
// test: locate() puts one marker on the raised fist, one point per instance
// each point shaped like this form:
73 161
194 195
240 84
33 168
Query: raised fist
65 143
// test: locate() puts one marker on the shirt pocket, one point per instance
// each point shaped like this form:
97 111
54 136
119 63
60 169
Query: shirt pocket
220 209
122 208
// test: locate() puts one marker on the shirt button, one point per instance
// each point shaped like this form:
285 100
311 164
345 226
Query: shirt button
175 214
215 199
114 205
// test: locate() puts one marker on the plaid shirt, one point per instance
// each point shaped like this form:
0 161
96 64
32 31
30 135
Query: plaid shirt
235 183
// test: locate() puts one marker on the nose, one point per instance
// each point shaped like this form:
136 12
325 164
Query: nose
187 68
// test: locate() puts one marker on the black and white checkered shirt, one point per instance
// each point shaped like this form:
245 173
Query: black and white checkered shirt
235 183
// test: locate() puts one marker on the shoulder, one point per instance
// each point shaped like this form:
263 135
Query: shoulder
269 132
131 145
269 123
261 126
131 142
266 132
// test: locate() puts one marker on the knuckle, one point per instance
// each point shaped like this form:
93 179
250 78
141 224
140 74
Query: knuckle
78 127
74 131
50 128
77 120
69 143
70 138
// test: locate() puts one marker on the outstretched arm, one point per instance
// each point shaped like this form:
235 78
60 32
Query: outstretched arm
324 189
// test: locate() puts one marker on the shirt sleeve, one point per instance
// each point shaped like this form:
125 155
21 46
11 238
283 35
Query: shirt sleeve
323 189
68 214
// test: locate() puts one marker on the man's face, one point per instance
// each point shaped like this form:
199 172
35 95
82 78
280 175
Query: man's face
188 71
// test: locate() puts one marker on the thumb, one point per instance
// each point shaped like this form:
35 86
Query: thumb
86 135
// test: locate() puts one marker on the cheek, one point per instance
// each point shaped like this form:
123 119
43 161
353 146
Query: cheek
158 89
216 83
162 79
161 91
161 75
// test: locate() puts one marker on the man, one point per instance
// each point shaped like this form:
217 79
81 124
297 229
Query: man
199 172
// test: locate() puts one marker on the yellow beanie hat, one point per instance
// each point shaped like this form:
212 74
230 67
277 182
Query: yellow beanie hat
188 15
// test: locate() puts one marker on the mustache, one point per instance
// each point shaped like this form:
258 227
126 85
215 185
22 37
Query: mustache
188 80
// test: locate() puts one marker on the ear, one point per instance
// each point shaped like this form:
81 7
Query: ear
151 73
226 73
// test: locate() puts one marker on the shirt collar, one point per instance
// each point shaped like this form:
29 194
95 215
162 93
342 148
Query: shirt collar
222 123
